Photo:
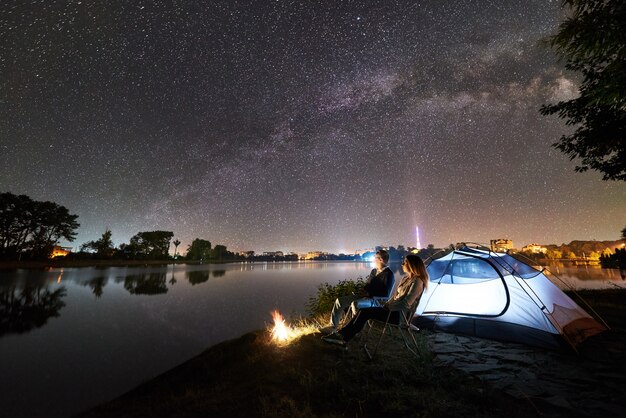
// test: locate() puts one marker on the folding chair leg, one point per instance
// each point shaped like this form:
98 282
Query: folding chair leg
371 355
382 334
365 337
417 348
415 351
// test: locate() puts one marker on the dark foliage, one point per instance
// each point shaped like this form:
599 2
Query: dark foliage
322 302
592 41
29 228
616 260
200 249
102 247
151 244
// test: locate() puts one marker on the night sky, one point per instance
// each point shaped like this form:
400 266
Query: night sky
295 126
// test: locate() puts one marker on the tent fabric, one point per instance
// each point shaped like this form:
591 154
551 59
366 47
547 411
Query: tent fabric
494 295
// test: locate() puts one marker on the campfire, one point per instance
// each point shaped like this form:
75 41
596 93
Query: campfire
283 334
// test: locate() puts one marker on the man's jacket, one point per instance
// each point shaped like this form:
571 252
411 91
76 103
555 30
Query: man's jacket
379 284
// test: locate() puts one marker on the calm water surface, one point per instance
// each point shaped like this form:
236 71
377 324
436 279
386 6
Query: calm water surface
72 338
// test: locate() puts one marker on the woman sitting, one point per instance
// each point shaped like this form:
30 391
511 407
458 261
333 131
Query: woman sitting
408 292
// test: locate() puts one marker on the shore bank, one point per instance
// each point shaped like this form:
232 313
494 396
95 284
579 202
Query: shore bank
455 376
249 376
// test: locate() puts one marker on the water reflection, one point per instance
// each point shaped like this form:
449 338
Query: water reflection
97 285
146 284
569 275
27 307
197 277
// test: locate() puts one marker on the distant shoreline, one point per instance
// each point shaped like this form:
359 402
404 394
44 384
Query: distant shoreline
42 264
59 263
11 265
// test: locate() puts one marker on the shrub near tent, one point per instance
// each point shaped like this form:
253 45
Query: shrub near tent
493 295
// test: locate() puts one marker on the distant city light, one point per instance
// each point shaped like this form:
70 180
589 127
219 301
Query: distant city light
418 244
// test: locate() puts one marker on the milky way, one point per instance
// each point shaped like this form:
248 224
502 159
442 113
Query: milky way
296 126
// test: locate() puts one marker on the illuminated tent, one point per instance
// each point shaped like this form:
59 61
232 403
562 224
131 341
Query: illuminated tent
493 295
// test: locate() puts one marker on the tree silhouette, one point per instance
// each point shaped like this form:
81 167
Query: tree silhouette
591 41
51 222
151 244
176 244
32 227
219 252
103 247
200 249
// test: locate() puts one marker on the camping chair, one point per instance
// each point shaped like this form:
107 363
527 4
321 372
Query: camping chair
404 327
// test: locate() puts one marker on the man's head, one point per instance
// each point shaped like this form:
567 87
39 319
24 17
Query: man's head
381 259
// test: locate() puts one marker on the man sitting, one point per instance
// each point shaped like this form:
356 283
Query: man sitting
377 289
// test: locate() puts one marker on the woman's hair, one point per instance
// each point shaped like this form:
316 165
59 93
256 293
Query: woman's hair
384 255
416 268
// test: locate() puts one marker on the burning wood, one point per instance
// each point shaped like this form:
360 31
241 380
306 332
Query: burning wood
282 334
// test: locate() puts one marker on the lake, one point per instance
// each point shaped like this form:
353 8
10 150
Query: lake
71 338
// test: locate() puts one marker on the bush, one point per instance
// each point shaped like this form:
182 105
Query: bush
616 261
322 303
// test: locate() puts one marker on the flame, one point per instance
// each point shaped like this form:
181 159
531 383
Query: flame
282 334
